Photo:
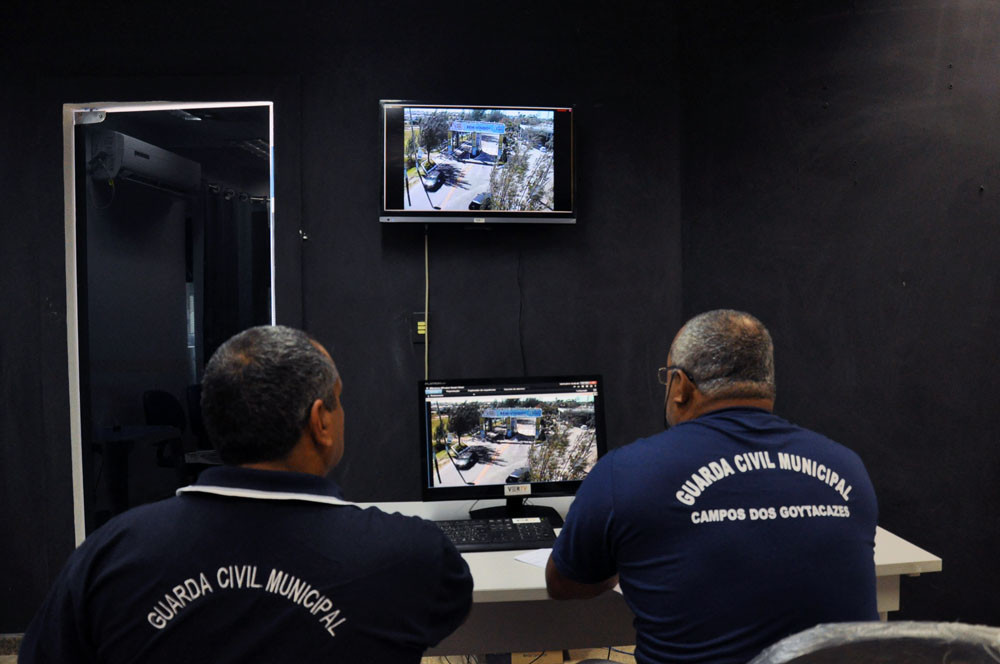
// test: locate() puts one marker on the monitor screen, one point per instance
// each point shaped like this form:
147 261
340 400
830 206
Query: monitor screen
477 164
513 438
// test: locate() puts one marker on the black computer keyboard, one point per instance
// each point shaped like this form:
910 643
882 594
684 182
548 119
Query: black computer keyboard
503 534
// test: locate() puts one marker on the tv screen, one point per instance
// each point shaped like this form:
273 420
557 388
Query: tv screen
509 438
477 164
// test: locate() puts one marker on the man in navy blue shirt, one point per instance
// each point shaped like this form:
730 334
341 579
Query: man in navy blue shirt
733 528
261 560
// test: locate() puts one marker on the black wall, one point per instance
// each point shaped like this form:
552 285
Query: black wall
841 180
800 165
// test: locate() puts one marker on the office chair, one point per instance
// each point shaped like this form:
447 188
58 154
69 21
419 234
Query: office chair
904 642
162 408
193 396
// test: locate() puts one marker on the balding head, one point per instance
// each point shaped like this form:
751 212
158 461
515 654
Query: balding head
728 354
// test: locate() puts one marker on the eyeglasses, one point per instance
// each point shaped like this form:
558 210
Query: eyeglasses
663 374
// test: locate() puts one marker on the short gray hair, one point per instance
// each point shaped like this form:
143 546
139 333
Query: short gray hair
258 390
728 354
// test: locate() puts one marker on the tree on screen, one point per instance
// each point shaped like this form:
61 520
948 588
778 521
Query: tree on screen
525 183
464 419
547 460
411 150
439 435
507 183
536 183
434 130
582 455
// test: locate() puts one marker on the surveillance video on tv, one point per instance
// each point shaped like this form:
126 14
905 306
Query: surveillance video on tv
463 159
489 440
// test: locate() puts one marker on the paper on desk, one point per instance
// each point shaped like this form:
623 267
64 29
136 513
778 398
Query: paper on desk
538 557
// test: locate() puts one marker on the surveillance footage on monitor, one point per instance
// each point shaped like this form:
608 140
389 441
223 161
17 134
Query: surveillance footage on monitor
546 434
477 164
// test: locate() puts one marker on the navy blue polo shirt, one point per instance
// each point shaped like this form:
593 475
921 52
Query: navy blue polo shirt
253 566
728 532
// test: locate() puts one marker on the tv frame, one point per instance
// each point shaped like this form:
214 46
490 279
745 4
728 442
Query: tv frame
514 496
392 211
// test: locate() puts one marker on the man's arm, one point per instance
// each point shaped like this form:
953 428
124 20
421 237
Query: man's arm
560 587
58 632
585 548
451 601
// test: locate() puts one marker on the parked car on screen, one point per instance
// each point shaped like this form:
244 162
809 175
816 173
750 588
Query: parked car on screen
482 201
433 177
470 456
519 475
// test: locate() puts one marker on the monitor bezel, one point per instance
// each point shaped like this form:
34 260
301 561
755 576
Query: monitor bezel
498 491
475 217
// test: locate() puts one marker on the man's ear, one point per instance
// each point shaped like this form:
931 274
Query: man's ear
320 424
684 391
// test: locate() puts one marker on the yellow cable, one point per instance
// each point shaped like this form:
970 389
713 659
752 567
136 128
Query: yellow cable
427 297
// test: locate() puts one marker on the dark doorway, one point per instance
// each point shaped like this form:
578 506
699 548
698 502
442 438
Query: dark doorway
174 255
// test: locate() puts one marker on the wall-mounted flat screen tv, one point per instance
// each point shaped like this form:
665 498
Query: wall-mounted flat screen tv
477 164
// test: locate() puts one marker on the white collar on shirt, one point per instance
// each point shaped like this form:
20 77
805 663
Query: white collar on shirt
258 494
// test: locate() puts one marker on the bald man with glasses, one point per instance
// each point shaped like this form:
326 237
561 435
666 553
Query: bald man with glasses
733 527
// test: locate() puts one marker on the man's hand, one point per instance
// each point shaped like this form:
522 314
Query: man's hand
559 587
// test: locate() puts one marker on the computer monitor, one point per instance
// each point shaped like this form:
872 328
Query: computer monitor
474 164
512 438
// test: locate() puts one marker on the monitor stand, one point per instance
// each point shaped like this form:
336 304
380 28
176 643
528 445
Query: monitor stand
516 509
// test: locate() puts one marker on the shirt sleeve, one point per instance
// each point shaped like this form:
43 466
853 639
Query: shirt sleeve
584 551
451 601
58 632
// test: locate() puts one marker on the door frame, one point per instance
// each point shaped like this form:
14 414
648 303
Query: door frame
89 113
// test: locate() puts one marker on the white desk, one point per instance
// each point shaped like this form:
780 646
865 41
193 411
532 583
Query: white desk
512 611
894 557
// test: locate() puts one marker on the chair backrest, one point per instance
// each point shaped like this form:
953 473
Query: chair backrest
904 642
193 396
163 409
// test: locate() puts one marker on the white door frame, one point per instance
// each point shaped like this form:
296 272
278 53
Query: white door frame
74 114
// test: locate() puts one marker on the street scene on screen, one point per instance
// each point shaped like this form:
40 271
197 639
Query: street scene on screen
480 441
478 159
